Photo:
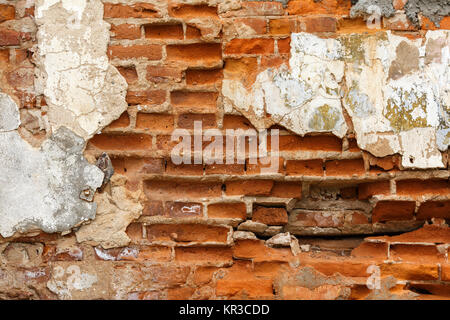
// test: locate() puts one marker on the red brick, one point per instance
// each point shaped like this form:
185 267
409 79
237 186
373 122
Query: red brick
445 272
4 56
268 164
174 190
235 68
367 190
250 46
187 233
284 26
236 210
187 120
371 250
270 216
284 45
344 167
187 11
230 169
176 209
163 74
9 37
434 209
7 12
134 232
194 101
129 73
258 252
164 31
153 208
184 169
193 32
287 190
137 10
310 143
143 165
393 210
155 122
147 51
197 54
203 77
258 8
249 187
147 97
415 253
122 142
304 167
318 24
126 31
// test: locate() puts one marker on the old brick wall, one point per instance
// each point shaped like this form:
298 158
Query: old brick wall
331 217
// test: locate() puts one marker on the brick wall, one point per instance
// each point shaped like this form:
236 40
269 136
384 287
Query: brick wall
209 231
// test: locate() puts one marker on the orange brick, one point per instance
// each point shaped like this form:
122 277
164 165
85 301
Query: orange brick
154 122
147 97
175 190
126 31
194 101
235 68
236 122
187 233
270 216
258 25
164 31
367 190
258 252
230 169
249 187
415 253
282 26
301 7
122 122
7 12
410 271
236 210
204 275
203 255
147 51
193 32
268 164
445 272
347 268
137 10
187 11
203 77
371 250
304 167
427 24
259 8
434 209
245 288
345 167
250 46
284 45
134 232
203 54
393 210
418 188
9 37
122 142
180 293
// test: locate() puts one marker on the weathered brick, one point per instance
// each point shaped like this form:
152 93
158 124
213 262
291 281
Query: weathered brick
393 210
136 10
304 167
270 216
120 142
126 31
144 51
236 210
164 31
202 54
155 122
250 46
249 187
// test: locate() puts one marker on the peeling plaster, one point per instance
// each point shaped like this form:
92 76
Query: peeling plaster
83 91
396 91
41 188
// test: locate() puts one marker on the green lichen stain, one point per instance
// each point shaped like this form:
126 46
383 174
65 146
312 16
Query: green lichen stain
353 45
401 116
324 118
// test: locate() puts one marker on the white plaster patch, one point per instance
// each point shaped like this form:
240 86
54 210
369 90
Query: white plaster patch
83 91
393 89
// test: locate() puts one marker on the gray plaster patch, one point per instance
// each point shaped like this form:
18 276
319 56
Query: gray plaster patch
434 10
366 8
9 114
41 188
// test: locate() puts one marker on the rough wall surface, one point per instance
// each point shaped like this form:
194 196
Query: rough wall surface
92 206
